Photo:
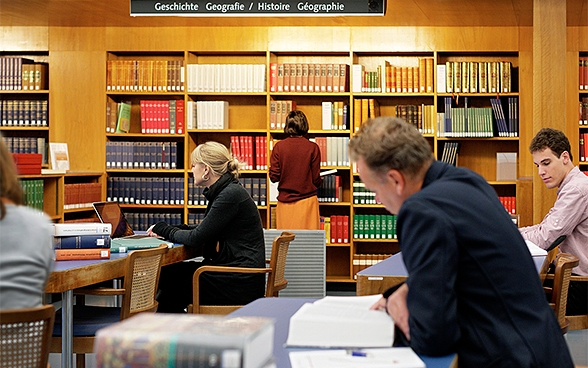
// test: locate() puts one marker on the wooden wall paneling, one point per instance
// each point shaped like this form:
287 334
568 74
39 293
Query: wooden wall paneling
525 200
472 39
549 85
392 39
77 108
24 39
215 39
308 39
160 39
526 106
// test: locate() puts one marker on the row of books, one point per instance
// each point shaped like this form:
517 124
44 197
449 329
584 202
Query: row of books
80 241
145 75
583 74
279 110
141 155
142 220
255 186
374 226
81 195
450 153
583 110
479 121
509 203
422 116
18 73
363 261
252 150
335 115
583 147
309 77
195 218
28 163
210 78
27 145
475 77
145 190
336 228
162 116
33 193
334 150
363 109
389 78
331 189
362 195
24 113
208 115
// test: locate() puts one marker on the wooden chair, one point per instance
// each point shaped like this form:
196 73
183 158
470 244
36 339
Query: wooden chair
140 283
558 293
578 322
275 280
25 336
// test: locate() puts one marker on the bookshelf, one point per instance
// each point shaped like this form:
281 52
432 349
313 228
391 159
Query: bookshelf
583 112
249 122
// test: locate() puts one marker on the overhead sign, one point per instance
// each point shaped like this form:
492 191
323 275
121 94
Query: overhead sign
282 8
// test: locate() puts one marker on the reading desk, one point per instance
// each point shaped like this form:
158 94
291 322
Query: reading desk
281 309
70 275
391 271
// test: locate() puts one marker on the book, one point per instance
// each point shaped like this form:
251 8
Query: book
81 254
123 124
81 228
81 241
186 340
59 156
401 357
336 321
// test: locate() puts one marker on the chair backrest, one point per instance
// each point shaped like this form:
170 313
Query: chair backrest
141 280
25 336
564 263
276 280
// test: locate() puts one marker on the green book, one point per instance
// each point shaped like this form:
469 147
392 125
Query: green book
122 245
123 124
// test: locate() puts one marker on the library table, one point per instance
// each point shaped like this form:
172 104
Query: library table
281 309
378 278
70 275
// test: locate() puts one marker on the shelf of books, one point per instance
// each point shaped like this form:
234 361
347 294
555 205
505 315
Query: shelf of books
583 112
80 190
160 106
145 136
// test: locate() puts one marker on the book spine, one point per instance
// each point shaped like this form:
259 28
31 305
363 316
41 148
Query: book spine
71 229
81 254
81 242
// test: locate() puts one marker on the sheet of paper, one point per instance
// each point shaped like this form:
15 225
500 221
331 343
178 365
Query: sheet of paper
534 249
375 358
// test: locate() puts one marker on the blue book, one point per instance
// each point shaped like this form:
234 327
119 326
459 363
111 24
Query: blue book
81 241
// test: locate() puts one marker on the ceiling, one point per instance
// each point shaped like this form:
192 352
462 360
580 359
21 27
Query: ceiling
115 13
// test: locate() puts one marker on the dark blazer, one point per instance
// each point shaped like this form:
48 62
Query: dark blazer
473 287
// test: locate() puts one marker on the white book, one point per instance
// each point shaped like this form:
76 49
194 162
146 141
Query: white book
82 228
357 78
59 156
341 321
441 79
327 115
365 358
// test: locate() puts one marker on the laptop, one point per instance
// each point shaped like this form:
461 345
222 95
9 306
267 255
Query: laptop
110 212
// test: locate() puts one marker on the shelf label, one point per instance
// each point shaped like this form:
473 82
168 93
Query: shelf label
283 8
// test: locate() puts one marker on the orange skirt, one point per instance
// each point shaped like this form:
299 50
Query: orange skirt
301 215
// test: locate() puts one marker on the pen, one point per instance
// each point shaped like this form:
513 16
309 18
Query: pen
358 353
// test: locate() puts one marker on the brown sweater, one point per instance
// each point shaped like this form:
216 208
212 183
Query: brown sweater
295 163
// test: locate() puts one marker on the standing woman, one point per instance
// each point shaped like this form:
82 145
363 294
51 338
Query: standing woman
295 164
230 234
26 245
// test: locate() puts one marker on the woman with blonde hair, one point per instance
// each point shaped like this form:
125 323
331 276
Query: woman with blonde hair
230 234
26 246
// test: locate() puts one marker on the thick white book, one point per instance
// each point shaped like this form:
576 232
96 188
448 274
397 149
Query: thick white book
82 228
185 340
341 322
365 358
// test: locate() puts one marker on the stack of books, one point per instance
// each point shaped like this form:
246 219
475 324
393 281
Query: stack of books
81 241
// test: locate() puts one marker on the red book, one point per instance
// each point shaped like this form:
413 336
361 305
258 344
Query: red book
180 117
334 229
345 229
165 117
273 77
340 229
81 254
286 85
235 147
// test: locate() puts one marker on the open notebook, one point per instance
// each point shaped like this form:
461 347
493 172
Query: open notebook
123 238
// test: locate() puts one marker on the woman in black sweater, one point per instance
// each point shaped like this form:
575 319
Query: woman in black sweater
230 234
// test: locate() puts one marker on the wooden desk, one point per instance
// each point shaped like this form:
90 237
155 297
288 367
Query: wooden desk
391 271
69 275
281 309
